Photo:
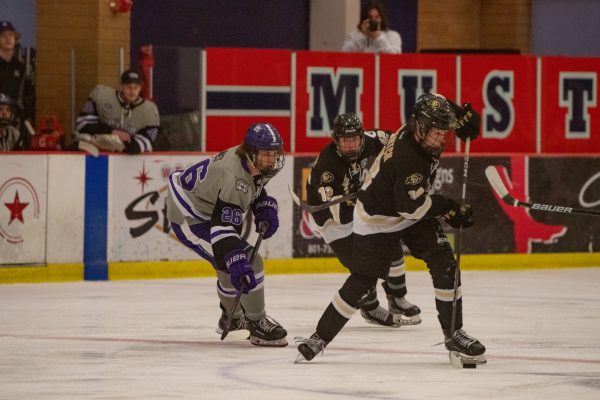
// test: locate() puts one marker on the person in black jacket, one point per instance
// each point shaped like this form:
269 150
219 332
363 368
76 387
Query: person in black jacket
395 203
340 170
15 82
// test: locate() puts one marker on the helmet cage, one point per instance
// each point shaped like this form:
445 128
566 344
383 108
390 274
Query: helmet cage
433 114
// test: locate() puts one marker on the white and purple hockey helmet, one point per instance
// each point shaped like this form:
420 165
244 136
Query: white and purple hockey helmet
264 148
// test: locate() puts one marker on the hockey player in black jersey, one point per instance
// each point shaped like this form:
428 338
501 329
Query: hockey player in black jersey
394 203
340 170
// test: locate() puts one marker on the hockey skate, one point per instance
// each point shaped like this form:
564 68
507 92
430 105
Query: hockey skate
266 332
309 348
467 351
238 329
380 316
404 312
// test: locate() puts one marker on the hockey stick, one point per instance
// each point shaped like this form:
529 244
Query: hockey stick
314 209
88 148
455 359
496 182
261 232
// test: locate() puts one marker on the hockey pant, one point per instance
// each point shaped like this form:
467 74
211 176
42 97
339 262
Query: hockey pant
372 259
395 282
197 238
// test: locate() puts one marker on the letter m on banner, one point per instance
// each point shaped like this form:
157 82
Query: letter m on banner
332 92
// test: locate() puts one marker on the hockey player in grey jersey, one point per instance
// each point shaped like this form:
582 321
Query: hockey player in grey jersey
9 134
211 198
118 120
338 171
395 203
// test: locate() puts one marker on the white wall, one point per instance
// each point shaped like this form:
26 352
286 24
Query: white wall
330 20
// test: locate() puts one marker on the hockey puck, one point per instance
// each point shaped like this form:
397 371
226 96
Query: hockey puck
469 365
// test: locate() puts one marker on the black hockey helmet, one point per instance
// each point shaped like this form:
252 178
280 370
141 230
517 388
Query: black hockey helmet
348 126
433 121
7 101
264 136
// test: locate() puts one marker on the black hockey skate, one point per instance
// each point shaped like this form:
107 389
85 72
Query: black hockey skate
310 347
380 316
267 332
467 348
404 312
238 329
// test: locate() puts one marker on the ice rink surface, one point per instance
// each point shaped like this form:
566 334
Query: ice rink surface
156 340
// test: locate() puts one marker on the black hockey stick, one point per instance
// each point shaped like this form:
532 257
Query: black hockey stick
455 359
236 302
314 209
496 182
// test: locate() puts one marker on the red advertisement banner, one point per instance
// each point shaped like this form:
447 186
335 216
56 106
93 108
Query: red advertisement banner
526 106
245 86
326 85
503 90
570 120
403 78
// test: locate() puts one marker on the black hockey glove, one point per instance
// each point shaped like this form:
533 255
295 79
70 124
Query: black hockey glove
458 215
468 122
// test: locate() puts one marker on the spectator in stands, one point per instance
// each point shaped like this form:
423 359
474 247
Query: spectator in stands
118 120
372 34
15 82
9 134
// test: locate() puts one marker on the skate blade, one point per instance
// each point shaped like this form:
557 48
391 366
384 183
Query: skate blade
300 359
240 334
396 324
404 320
460 361
268 343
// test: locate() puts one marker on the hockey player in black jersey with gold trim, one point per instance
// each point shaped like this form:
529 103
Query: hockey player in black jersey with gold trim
394 203
340 170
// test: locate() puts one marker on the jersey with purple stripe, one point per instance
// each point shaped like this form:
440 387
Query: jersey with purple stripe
218 189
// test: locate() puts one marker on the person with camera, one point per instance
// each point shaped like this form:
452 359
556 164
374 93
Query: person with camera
372 34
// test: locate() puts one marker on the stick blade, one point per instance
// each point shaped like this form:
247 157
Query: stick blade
455 360
88 148
495 181
295 198
240 334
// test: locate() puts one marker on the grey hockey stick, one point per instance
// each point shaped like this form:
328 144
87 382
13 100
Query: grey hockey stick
314 209
236 302
496 182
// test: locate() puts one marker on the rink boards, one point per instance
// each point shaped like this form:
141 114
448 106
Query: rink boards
72 217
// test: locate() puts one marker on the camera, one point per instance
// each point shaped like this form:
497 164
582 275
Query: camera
373 26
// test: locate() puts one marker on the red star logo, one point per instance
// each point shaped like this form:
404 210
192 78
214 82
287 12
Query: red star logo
143 177
16 209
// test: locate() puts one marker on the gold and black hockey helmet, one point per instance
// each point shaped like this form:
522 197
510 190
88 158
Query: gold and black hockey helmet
348 125
433 121
433 111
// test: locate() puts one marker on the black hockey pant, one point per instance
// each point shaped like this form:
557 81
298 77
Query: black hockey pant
372 257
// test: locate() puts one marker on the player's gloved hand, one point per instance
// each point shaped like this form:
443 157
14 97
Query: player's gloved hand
468 122
266 209
458 215
241 271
